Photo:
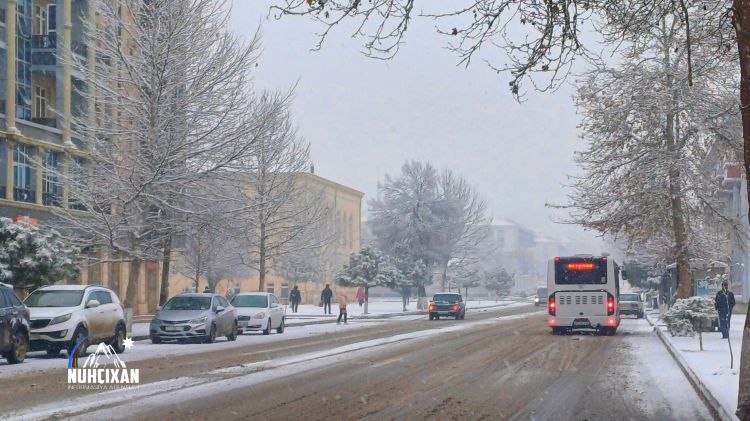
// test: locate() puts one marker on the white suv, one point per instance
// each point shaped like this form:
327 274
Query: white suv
63 315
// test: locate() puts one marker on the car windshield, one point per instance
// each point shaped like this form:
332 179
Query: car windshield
250 301
54 298
450 298
630 297
188 303
541 292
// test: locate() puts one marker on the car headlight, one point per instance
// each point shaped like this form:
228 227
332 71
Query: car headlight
60 319
199 320
260 315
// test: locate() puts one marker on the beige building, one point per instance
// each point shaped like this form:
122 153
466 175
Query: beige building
345 216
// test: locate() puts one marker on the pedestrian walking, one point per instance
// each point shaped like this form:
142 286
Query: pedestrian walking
342 307
295 297
326 296
724 304
361 295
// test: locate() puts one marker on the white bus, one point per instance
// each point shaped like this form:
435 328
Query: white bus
583 292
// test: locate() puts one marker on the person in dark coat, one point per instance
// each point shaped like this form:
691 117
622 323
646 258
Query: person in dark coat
295 298
724 305
326 296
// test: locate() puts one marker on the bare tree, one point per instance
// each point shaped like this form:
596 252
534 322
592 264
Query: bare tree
284 212
646 131
170 94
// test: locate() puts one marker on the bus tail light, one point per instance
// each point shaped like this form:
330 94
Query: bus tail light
610 304
551 305
612 321
551 321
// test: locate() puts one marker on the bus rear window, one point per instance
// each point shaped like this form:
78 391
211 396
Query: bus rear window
589 271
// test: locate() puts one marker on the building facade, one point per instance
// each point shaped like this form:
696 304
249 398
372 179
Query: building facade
344 206
39 103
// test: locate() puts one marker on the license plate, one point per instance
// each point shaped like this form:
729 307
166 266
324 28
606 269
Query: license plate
581 323
172 329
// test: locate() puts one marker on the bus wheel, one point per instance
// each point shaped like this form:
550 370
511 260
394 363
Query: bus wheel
558 331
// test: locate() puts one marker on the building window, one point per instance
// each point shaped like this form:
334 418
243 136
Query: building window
40 95
284 291
270 288
24 183
79 183
51 186
40 14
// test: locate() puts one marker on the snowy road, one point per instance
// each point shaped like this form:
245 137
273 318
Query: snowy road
500 363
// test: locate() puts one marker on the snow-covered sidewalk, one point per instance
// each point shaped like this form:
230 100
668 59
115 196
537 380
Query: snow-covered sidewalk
377 308
382 307
712 366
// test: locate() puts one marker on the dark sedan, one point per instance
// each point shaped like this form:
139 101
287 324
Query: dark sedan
14 326
447 304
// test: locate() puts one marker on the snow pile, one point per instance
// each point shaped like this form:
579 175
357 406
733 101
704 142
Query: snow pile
689 315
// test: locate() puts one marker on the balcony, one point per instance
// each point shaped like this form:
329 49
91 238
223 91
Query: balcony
43 49
24 195
45 121
44 42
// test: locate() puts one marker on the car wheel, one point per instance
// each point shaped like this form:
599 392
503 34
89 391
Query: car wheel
53 350
432 317
458 316
155 340
267 330
211 338
78 336
233 335
19 347
437 317
118 340
281 327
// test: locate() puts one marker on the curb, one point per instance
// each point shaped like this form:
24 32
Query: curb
717 410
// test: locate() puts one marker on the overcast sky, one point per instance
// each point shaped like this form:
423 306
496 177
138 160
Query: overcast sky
365 117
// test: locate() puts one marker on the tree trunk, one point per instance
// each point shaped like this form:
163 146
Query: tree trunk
741 21
165 264
685 284
262 259
367 297
444 277
132 289
421 297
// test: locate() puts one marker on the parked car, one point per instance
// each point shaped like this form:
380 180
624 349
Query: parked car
194 316
259 311
14 326
631 303
447 304
63 315
541 296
